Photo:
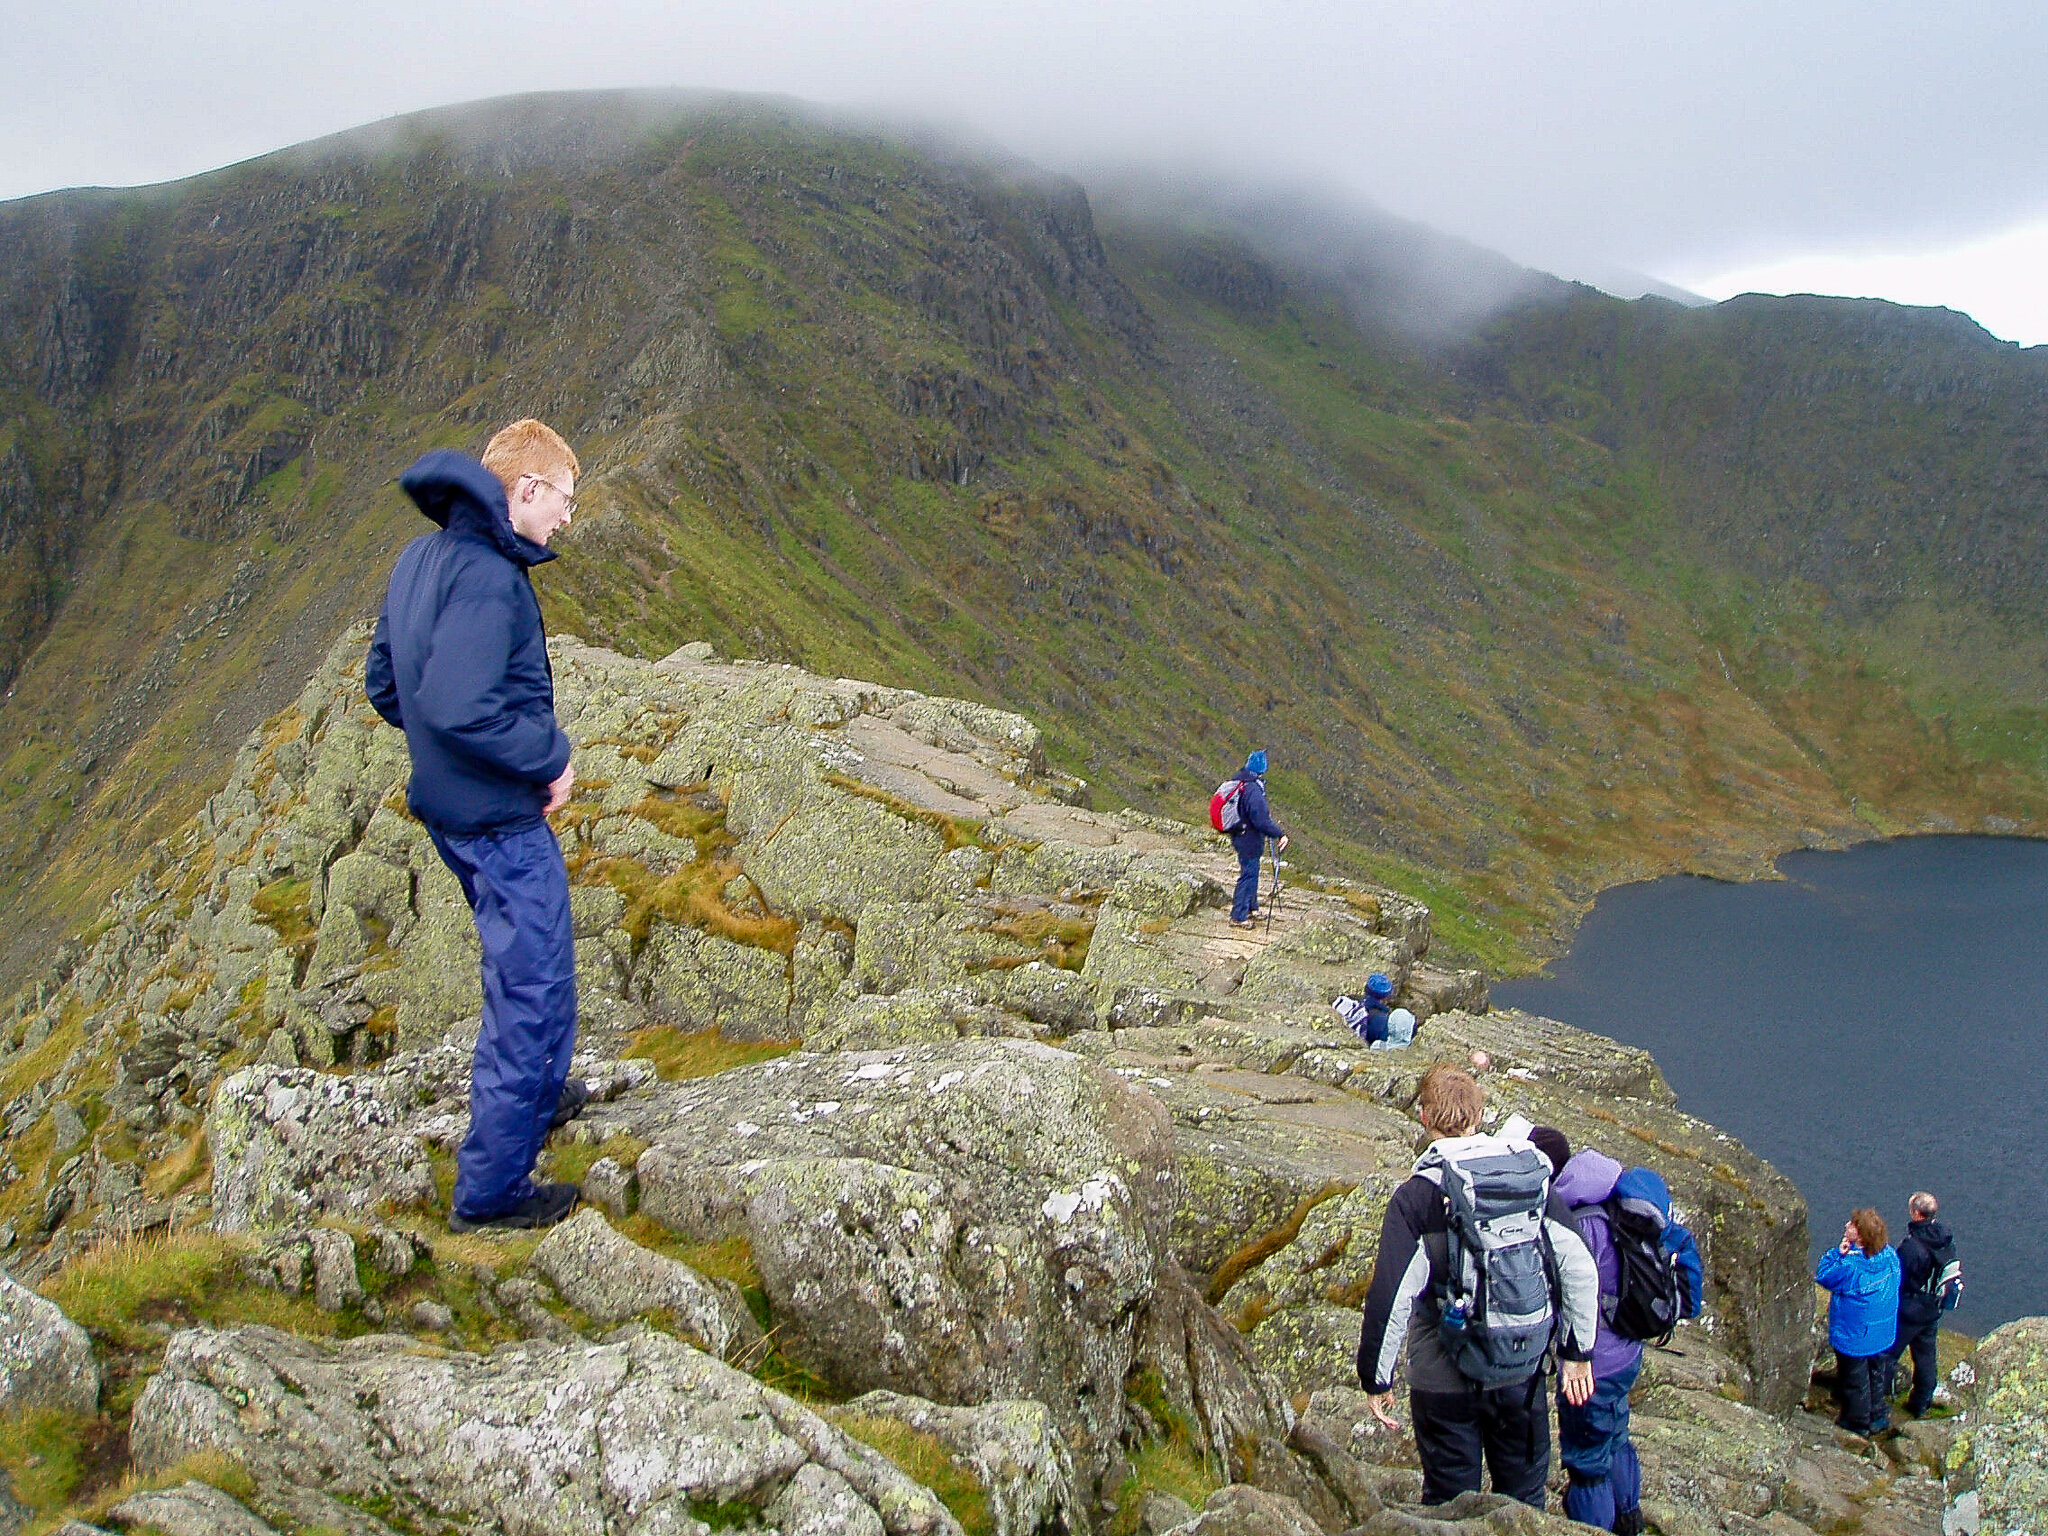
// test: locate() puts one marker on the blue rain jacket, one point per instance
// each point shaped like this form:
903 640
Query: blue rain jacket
1863 1312
460 660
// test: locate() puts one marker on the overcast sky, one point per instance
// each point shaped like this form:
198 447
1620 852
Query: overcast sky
1875 147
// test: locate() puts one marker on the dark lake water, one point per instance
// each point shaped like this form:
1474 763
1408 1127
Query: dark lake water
1874 1024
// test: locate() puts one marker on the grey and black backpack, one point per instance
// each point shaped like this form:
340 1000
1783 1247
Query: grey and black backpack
1497 1304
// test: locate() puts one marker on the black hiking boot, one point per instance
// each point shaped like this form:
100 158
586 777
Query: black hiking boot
574 1100
548 1204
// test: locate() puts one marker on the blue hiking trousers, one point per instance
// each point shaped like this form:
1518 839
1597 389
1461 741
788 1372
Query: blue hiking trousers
518 889
1244 901
1593 1444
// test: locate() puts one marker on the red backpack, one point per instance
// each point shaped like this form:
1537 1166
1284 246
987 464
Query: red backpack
1224 814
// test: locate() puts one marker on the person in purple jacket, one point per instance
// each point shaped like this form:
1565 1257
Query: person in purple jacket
1605 1485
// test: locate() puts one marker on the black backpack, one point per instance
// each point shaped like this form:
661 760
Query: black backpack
1650 1294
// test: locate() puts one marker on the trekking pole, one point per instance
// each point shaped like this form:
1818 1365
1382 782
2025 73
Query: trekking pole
1274 903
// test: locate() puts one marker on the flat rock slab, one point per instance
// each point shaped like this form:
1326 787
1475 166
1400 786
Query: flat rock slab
546 1439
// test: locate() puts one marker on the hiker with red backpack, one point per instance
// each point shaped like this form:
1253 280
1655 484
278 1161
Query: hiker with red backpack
1238 810
1650 1277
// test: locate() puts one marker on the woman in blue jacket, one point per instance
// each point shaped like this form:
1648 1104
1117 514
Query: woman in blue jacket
1862 1275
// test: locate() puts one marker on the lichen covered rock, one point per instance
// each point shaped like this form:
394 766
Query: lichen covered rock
46 1360
548 1439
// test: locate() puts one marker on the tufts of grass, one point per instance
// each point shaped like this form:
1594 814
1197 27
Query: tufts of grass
287 907
180 1168
229 1476
40 1064
1261 1248
958 831
1168 1463
1061 942
571 1161
691 897
118 1289
707 1053
926 1460
44 1452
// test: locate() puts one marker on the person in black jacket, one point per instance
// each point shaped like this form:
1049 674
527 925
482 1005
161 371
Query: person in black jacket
460 664
1458 1422
1254 826
1923 1251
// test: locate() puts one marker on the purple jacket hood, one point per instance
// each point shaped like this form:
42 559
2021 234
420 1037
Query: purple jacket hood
1588 1178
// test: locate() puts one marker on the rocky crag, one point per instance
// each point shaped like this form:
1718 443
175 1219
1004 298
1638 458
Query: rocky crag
956 1169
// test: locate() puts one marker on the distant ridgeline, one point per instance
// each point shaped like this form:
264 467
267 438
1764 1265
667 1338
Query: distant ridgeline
1526 589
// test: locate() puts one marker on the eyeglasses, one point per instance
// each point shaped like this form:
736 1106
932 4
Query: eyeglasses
568 501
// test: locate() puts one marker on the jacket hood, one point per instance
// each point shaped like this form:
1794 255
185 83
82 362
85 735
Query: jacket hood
1588 1178
455 491
1645 1189
1933 1233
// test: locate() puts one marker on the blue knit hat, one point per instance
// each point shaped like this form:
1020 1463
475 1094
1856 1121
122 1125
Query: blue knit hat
1256 763
1379 985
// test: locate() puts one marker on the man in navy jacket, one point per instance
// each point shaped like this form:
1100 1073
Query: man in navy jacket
460 664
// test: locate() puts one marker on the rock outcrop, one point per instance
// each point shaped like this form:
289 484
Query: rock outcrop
46 1360
632 1435
1028 1153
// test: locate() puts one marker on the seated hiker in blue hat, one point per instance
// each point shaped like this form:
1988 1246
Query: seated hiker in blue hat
1238 809
1369 1016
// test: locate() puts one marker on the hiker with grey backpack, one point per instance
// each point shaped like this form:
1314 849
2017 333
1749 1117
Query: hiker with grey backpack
1238 810
1482 1274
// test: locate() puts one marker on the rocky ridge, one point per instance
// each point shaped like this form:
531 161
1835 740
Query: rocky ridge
938 1115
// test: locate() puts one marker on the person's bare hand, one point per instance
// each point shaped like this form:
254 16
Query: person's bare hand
1850 1237
1578 1381
558 792
1381 1404
1283 844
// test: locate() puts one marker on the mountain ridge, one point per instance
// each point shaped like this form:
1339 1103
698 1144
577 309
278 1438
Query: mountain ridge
929 419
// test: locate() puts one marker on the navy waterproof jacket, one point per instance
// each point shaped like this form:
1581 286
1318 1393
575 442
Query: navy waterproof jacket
460 659
1251 806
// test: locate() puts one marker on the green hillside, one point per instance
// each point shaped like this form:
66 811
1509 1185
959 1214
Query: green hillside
1586 592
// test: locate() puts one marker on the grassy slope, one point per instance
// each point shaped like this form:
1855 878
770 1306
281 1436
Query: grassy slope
848 407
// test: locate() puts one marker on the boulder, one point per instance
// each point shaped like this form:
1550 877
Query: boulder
46 1359
190 1509
700 981
963 1221
612 1278
1014 1450
1207 1377
1998 1467
1471 1514
548 1439
1239 1509
290 1145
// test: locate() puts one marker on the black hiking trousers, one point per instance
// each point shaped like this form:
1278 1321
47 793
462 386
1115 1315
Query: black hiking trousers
1863 1391
1506 1427
1923 1338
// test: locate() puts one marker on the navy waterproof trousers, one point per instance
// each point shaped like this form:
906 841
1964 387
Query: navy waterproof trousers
518 888
1244 901
1593 1443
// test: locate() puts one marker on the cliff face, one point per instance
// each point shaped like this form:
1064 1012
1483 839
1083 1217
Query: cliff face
1589 592
926 1097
